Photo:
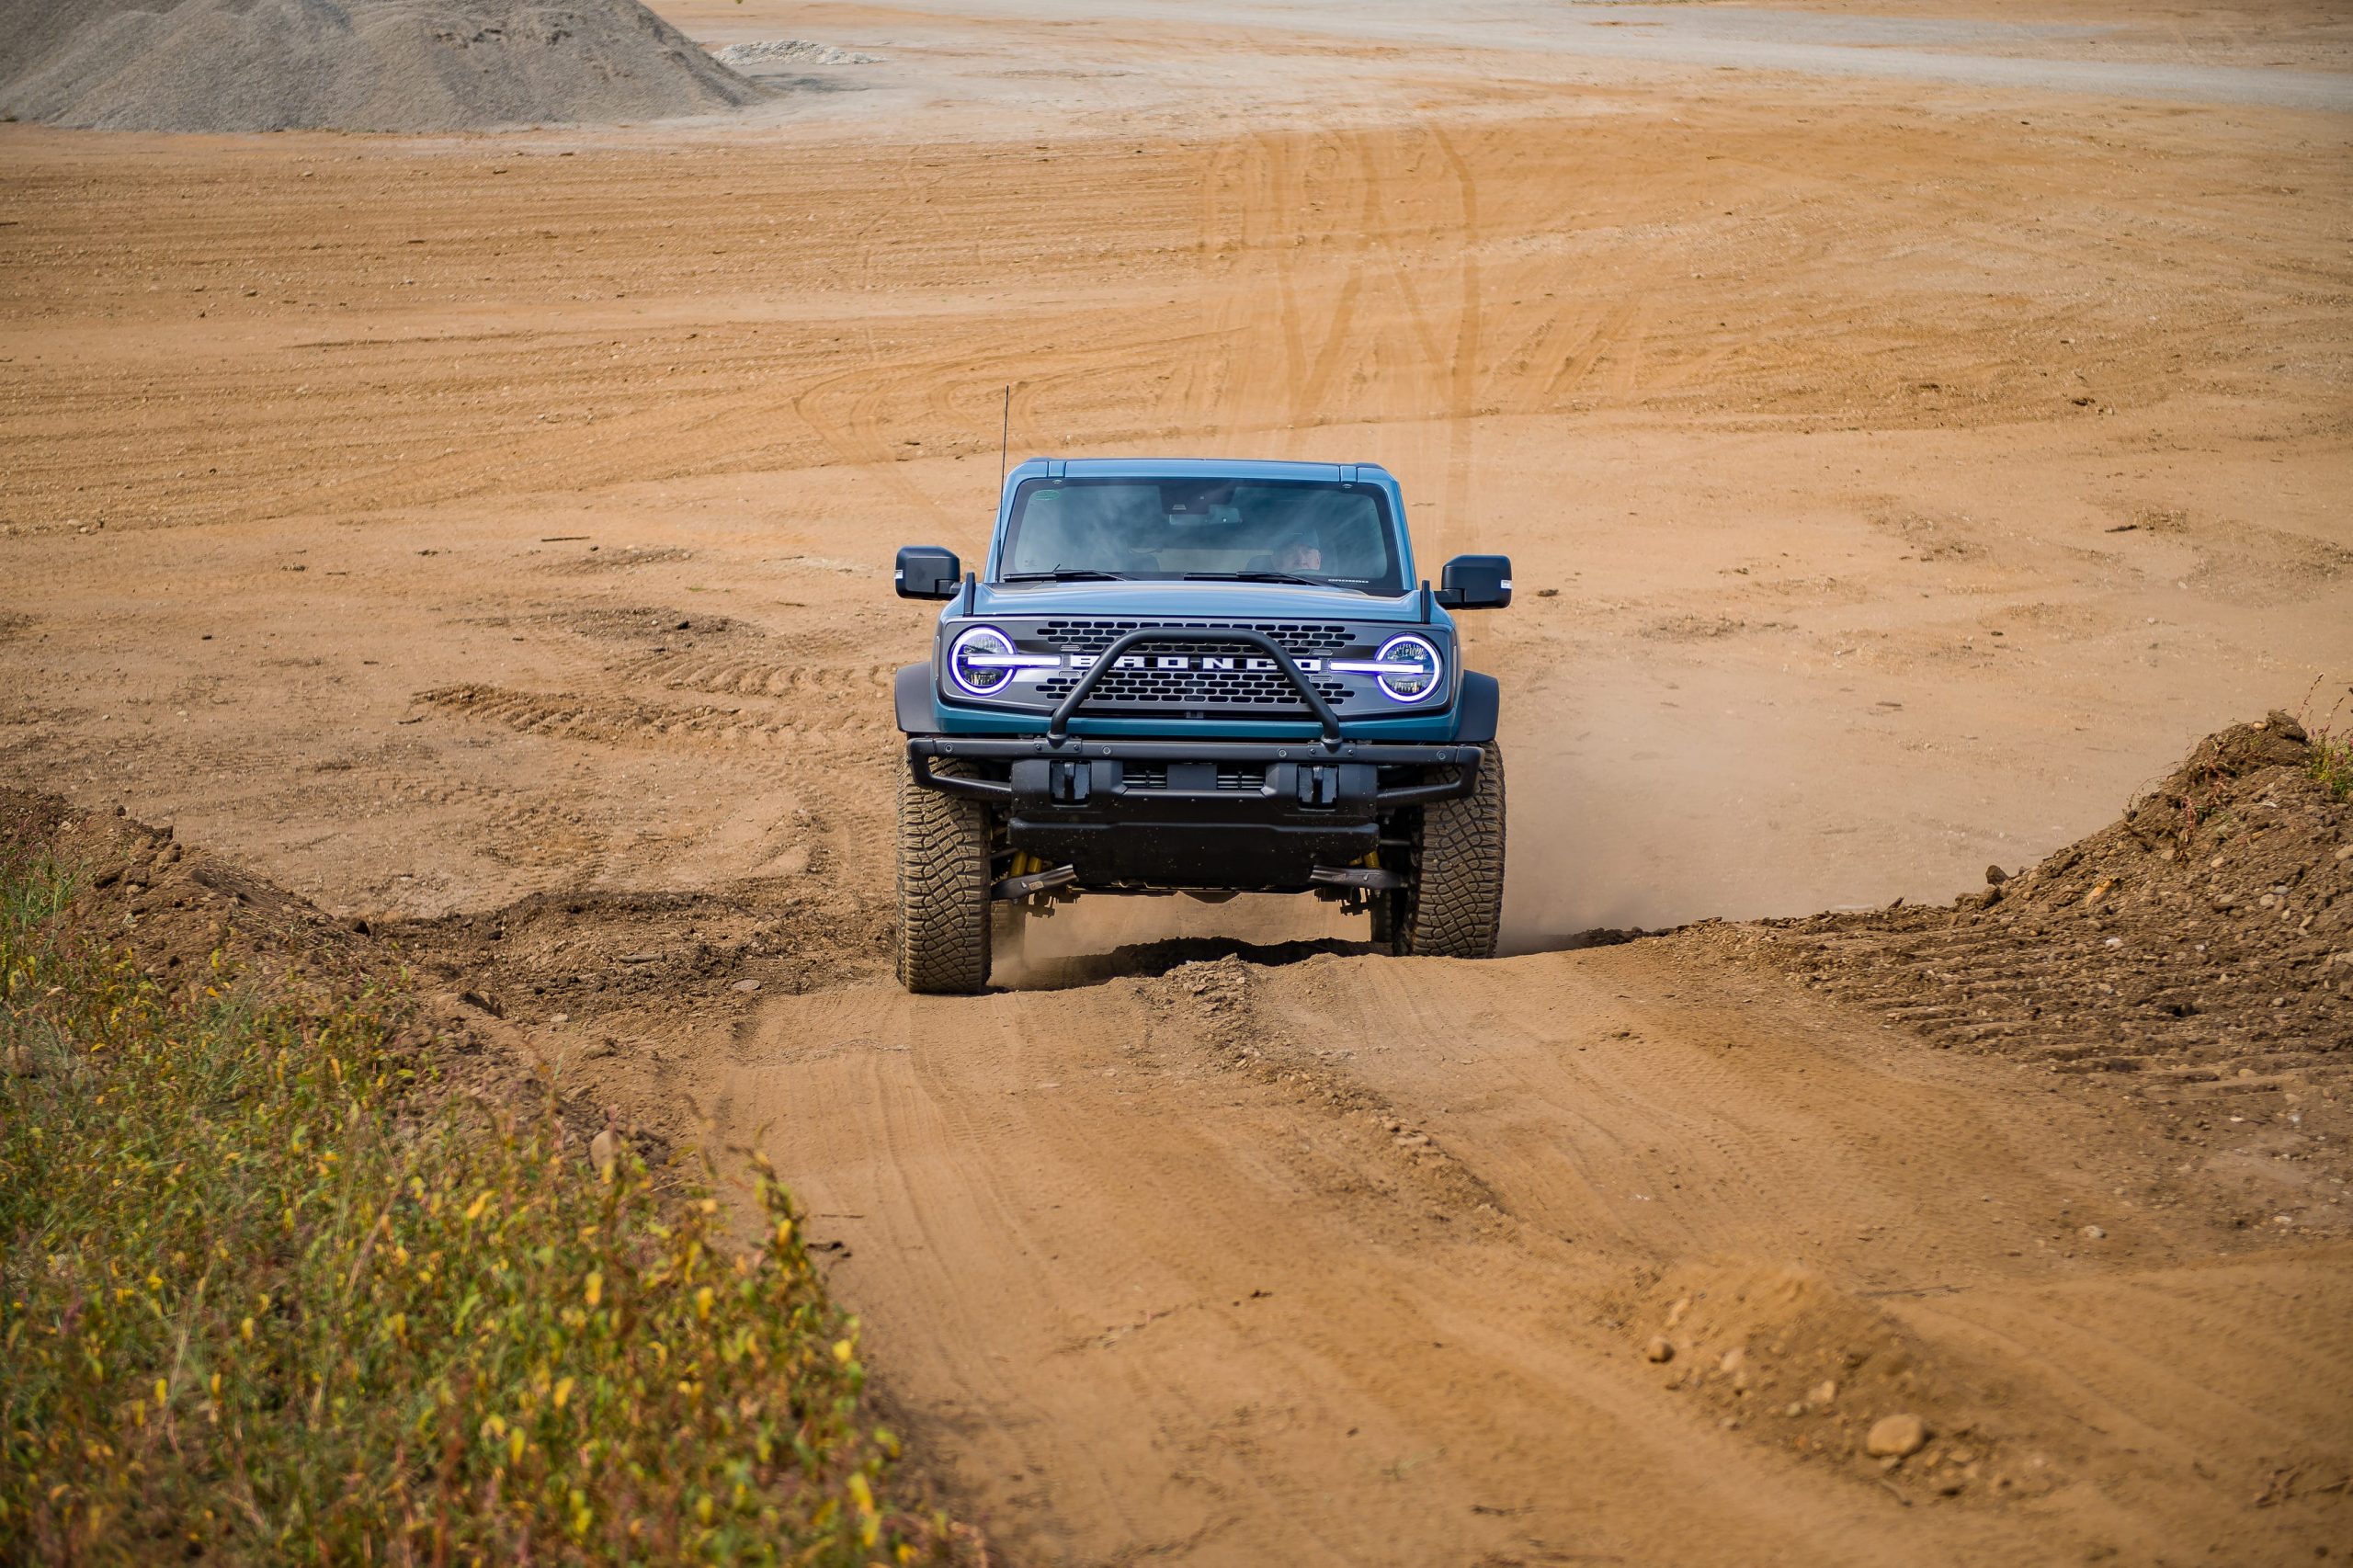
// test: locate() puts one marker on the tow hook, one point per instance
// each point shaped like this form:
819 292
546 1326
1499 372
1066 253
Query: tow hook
1069 781
1318 785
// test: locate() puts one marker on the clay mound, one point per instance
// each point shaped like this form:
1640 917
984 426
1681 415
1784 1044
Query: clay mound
233 65
2205 935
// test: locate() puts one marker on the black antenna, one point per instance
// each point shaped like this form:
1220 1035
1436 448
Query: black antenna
1005 436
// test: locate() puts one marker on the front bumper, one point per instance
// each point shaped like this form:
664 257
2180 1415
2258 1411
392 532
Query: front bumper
1196 814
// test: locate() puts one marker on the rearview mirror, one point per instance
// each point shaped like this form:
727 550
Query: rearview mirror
1476 582
927 571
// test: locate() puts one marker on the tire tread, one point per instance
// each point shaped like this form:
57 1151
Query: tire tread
943 888
1454 906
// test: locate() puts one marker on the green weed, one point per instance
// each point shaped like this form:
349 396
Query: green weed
263 1299
2332 763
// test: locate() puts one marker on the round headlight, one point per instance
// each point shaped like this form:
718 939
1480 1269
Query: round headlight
980 660
1412 668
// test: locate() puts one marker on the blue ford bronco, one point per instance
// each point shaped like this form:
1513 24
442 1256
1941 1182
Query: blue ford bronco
1205 677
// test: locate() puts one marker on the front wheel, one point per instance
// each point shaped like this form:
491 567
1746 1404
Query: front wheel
1453 905
943 888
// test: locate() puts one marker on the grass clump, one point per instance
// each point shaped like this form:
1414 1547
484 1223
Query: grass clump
2332 763
264 1299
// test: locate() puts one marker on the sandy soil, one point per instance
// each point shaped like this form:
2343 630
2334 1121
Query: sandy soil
488 538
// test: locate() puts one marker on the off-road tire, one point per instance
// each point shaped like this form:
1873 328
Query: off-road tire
1453 907
943 887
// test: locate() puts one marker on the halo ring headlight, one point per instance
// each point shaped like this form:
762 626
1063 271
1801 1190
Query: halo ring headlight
979 660
1416 669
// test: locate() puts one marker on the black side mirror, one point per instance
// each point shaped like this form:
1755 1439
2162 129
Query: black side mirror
1476 582
927 571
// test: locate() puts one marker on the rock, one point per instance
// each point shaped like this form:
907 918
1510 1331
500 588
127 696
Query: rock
1656 1350
1995 876
2094 1233
748 986
603 1150
1822 1392
1732 1362
1894 1437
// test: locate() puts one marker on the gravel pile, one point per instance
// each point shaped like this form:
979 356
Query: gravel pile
233 65
792 51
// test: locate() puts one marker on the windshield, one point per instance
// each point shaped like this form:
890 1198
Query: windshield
1272 530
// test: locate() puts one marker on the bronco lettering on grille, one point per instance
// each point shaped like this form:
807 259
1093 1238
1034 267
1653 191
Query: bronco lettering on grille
1192 662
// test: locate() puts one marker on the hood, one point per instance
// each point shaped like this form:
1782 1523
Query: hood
1196 601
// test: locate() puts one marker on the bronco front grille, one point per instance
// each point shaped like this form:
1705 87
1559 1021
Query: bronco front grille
1267 691
1300 639
1228 691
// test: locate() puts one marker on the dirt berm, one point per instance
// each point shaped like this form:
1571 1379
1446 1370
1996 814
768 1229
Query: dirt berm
232 65
2207 934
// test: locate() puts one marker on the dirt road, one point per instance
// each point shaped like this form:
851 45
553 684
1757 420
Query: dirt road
488 538
1353 1261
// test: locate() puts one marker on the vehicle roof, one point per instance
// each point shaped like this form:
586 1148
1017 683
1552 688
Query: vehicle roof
1193 468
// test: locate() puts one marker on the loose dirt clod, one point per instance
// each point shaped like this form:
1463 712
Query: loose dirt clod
1896 1437
226 65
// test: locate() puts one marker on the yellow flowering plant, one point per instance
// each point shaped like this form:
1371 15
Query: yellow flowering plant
266 1294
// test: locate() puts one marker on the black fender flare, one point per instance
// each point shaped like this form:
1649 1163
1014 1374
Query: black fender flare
911 690
1476 713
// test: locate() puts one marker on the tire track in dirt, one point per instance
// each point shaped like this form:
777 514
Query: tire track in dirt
727 675
612 720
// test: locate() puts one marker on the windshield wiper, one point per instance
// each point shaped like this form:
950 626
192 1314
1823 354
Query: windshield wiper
1065 575
1255 577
